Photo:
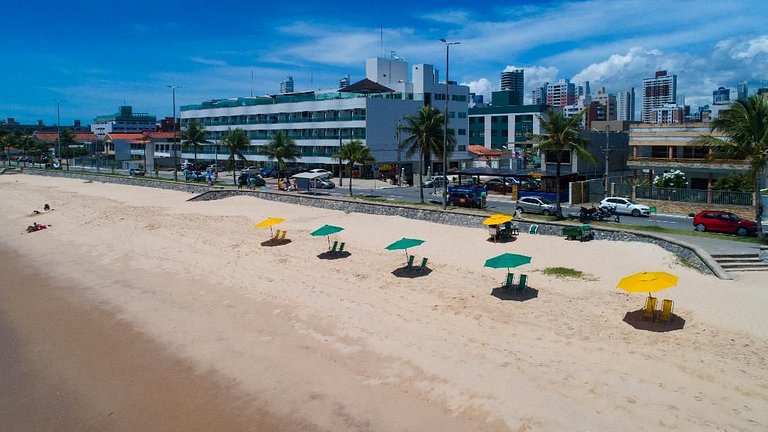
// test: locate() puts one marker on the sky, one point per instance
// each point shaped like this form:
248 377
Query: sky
87 57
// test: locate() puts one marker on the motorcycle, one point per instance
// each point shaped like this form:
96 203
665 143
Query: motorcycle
590 214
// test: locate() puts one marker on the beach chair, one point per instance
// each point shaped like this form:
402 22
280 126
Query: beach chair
277 235
341 247
410 261
521 285
423 265
510 282
666 310
282 236
533 229
335 244
650 308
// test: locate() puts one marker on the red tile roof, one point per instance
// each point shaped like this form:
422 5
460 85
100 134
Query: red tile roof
483 151
125 135
51 137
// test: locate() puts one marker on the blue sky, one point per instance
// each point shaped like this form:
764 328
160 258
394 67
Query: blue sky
92 56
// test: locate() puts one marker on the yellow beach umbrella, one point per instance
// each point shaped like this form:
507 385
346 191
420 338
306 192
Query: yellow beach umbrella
647 282
497 219
269 222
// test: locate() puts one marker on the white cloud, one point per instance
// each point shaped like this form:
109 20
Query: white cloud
751 49
482 87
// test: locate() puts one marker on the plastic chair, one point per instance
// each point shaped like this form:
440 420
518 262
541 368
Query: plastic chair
410 260
650 308
282 236
666 310
523 282
335 244
277 235
509 283
341 247
533 229
423 265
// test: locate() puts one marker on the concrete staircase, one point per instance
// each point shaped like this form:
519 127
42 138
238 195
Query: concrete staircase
741 262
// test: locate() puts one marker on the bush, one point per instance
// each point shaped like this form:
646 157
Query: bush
672 179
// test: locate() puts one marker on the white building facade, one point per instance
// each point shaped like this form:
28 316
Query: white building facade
319 121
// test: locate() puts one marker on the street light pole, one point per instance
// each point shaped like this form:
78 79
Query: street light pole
607 157
175 151
445 131
58 133
341 173
397 135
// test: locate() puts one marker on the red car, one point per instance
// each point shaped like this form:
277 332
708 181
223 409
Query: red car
722 221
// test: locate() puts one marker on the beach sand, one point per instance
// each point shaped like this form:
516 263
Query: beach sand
139 310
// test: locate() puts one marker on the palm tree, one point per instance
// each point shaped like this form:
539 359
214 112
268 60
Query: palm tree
354 152
561 134
745 136
282 148
194 135
236 141
425 137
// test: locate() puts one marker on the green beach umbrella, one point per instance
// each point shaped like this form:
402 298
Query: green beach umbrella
405 243
507 260
326 230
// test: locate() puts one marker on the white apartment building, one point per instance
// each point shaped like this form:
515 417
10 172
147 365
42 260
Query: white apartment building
125 121
625 105
318 121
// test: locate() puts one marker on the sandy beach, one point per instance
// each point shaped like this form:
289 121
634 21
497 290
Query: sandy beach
139 310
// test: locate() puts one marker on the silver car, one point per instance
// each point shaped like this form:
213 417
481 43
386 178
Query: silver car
533 204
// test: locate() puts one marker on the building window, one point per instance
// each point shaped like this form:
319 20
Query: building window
462 131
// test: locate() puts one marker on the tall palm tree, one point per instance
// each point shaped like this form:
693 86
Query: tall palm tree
561 134
236 142
282 148
354 152
194 136
745 129
425 137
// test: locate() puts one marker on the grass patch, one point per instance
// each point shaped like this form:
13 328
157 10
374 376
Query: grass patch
566 273
685 263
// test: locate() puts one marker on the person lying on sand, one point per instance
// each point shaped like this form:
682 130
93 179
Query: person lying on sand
36 227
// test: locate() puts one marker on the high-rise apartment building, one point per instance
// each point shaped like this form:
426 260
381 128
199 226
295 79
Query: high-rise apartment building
608 101
286 85
721 96
344 82
539 95
561 94
625 105
658 91
514 81
741 90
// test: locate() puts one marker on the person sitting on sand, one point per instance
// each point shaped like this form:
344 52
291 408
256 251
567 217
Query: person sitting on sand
46 207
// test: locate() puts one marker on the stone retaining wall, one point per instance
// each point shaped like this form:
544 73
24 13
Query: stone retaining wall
458 217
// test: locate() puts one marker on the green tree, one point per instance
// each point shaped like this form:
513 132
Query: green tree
236 142
734 182
355 153
745 136
282 148
194 136
425 131
559 135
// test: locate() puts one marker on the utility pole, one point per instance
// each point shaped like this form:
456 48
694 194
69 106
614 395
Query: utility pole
607 158
445 132
58 134
397 135
341 173
175 150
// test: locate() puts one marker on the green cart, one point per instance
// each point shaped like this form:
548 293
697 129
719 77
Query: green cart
581 233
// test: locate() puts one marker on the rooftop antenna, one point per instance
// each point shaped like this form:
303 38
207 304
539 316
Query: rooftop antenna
251 82
381 37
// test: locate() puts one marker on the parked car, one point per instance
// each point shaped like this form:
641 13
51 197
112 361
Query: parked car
269 172
322 183
255 180
626 206
723 221
326 174
194 176
434 182
216 167
499 184
464 199
251 170
534 204
136 172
